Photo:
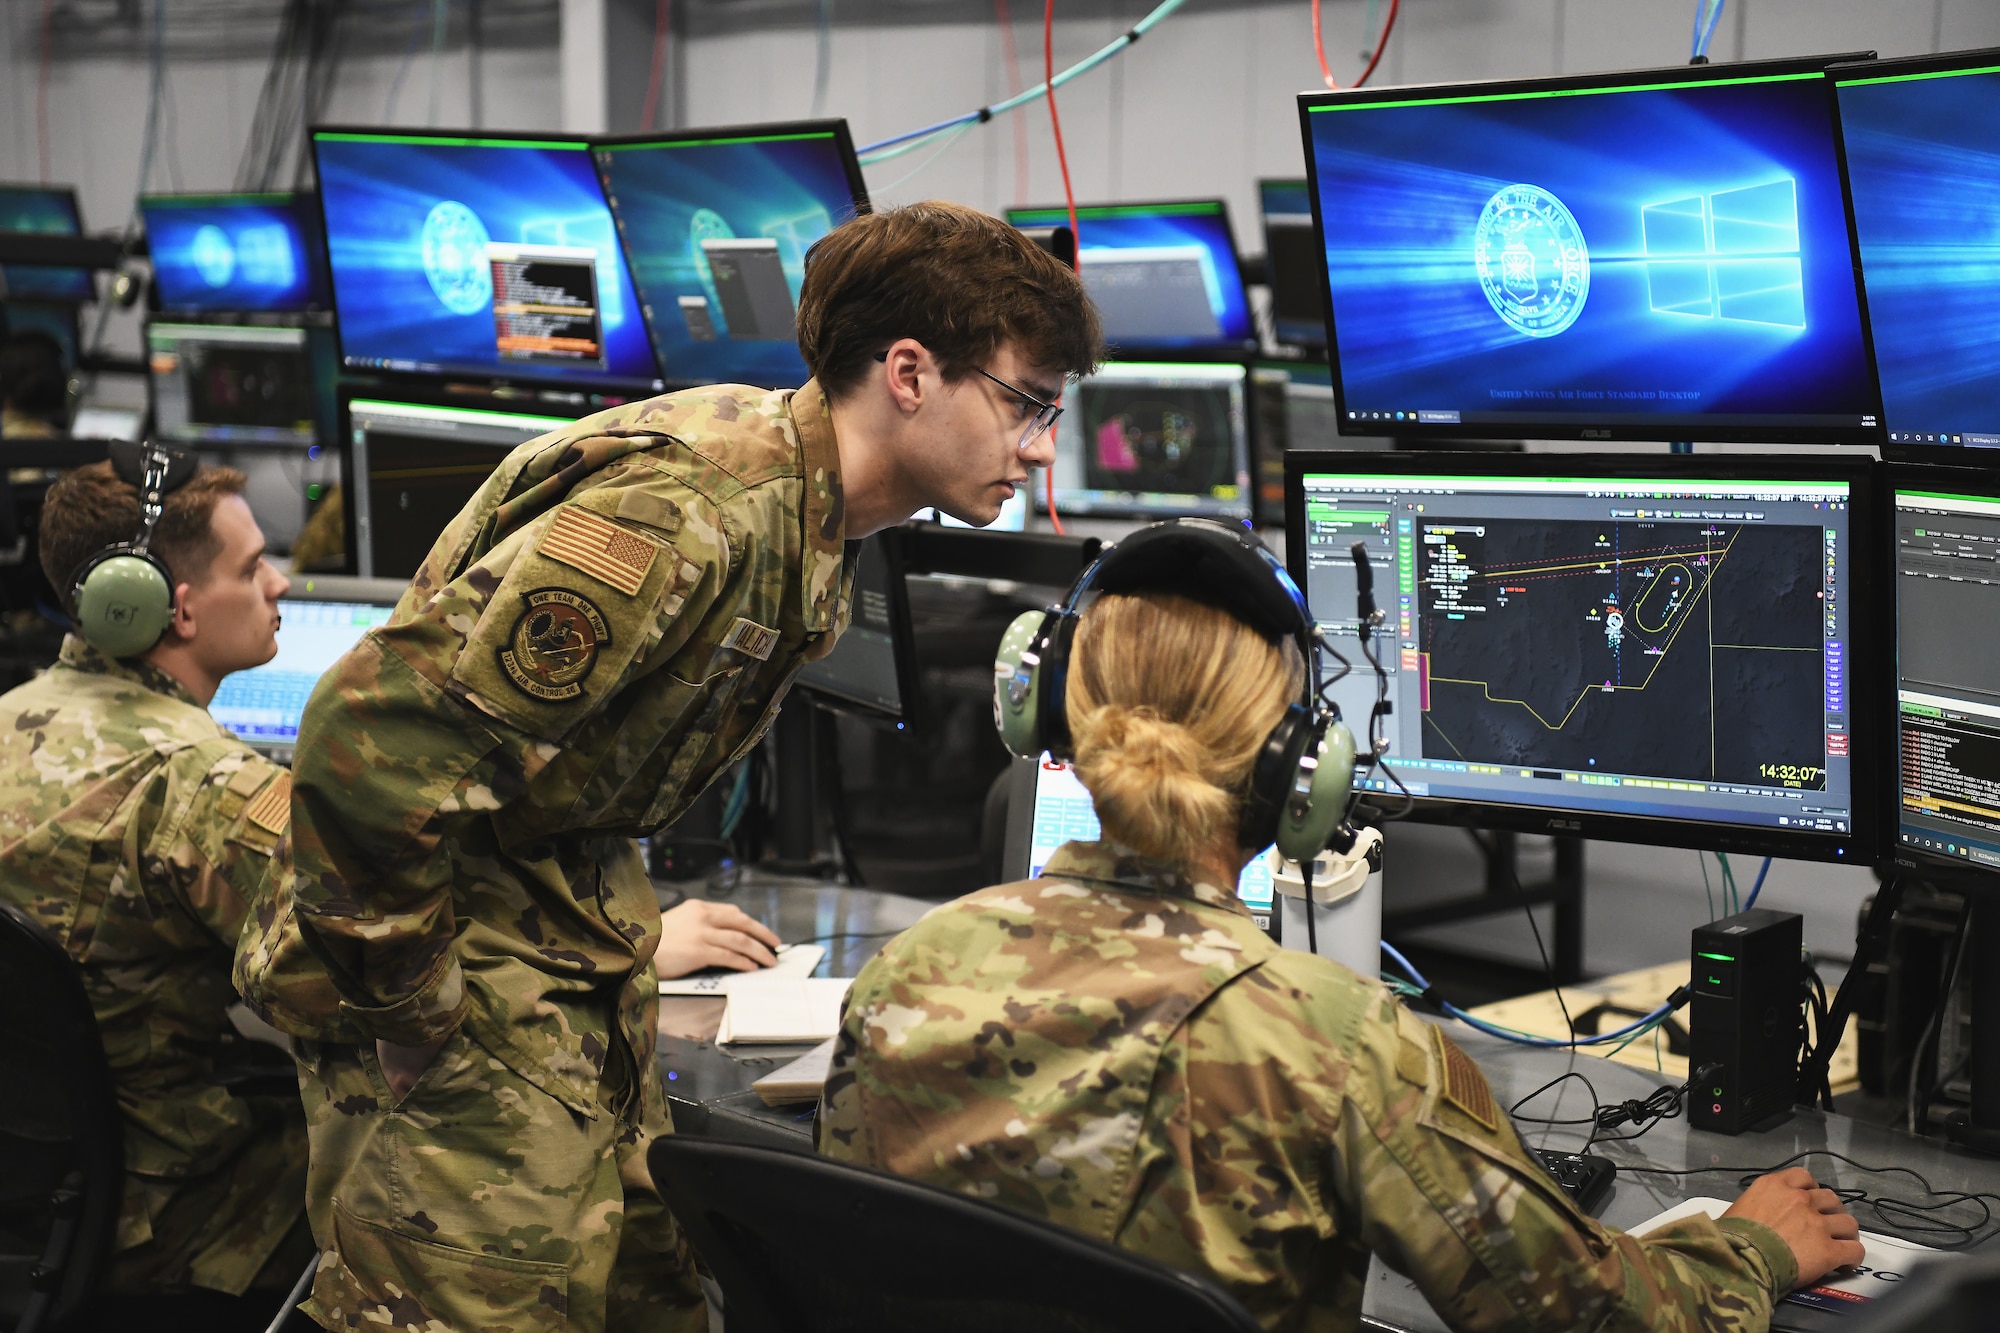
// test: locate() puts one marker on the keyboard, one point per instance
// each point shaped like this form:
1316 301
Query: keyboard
1586 1179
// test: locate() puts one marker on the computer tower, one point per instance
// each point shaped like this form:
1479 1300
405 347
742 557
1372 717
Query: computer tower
1745 1030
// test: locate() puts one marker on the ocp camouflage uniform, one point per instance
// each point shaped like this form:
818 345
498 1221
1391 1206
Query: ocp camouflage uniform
136 831
611 621
1116 1049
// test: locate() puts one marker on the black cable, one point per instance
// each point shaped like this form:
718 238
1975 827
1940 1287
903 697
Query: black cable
851 935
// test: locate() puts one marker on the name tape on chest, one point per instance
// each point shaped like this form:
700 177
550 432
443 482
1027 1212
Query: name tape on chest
751 639
600 548
272 808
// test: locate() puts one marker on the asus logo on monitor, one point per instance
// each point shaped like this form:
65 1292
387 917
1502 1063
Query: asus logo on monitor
1567 825
1596 434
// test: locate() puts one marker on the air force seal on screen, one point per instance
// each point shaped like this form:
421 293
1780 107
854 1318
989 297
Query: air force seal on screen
1531 260
554 644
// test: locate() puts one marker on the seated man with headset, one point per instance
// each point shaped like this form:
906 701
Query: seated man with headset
136 831
1117 1048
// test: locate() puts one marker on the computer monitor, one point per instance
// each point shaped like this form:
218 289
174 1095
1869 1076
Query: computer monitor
1048 806
717 223
485 257
56 319
1655 649
1147 439
1292 261
409 469
1660 255
49 209
1164 276
322 619
1947 549
1922 143
236 252
238 383
1291 407
873 669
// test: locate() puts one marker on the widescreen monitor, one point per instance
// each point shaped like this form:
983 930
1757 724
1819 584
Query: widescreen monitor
717 223
1640 649
236 252
1922 139
263 705
488 258
1164 276
1155 439
1292 263
410 467
1661 255
49 209
1947 549
873 669
238 383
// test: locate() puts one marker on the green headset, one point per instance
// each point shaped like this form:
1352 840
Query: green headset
123 596
1300 785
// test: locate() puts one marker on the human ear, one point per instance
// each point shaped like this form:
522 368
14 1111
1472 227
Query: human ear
903 370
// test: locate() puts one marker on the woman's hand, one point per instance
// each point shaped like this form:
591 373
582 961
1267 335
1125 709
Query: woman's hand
699 933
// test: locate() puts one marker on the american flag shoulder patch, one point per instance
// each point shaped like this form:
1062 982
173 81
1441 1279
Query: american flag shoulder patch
751 639
600 548
272 808
1464 1086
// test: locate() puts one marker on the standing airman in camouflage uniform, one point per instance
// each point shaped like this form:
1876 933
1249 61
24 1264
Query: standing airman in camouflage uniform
1116 1047
610 622
136 831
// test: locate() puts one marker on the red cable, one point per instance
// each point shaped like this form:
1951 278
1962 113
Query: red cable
657 79
42 91
1375 57
1013 59
1069 199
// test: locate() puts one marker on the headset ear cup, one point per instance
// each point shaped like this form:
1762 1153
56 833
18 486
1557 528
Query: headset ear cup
1018 683
124 602
1305 828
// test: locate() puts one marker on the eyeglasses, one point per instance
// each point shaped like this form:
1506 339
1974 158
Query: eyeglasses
1045 413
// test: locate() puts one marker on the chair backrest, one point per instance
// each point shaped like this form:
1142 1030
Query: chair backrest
1955 1295
62 1150
801 1244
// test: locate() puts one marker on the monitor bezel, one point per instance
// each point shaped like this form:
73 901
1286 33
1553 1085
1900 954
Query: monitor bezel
903 648
1221 350
607 391
1867 626
850 162
1897 476
76 211
1980 60
1038 499
1576 429
302 204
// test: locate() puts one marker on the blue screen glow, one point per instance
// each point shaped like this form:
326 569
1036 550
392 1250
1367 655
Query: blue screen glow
51 210
419 229
1653 258
1923 164
236 251
1162 275
1287 198
717 230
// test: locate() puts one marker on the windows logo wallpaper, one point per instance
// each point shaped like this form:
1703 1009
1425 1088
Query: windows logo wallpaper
1675 252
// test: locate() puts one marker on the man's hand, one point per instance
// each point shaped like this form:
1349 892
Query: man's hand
1813 1221
402 1066
699 933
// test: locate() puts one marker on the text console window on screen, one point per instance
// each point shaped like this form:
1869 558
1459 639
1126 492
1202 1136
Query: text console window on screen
717 225
484 257
1923 163
1657 648
1656 256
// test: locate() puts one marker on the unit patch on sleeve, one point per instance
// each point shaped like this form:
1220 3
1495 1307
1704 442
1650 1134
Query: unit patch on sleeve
751 639
600 548
1464 1086
554 644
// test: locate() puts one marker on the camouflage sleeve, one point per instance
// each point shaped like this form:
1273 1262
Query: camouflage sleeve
1447 1194
221 819
278 975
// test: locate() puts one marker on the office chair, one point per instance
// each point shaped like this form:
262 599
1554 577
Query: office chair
1955 1295
801 1244
62 1148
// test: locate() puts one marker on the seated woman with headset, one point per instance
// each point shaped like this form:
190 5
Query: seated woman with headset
1116 1047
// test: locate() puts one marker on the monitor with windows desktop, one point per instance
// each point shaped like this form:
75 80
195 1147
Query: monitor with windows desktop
1655 255
717 223
410 467
1164 276
237 253
52 210
1648 649
1922 144
322 619
1151 439
479 256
